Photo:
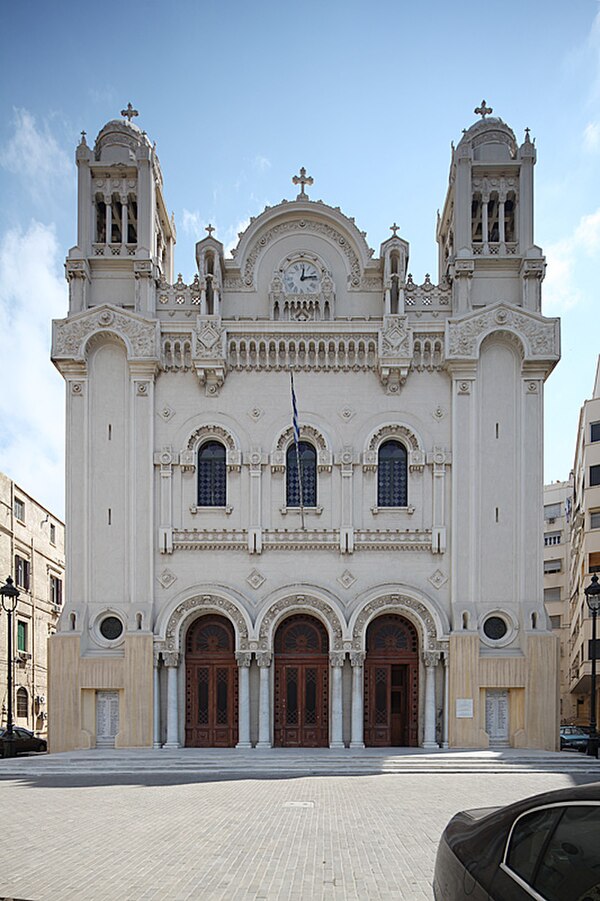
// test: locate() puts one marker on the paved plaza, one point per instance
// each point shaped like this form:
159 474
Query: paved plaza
248 825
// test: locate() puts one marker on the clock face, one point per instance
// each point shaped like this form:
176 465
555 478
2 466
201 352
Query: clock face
302 278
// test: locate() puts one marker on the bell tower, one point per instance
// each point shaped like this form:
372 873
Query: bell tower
125 238
485 232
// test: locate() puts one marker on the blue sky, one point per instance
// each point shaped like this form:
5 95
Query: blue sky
367 96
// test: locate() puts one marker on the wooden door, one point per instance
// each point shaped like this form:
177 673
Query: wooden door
301 684
211 684
391 683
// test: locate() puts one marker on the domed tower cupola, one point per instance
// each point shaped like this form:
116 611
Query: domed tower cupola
394 253
209 257
486 228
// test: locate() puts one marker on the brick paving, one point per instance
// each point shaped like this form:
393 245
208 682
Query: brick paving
227 837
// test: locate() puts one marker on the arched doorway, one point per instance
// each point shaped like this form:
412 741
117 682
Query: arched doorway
301 683
391 682
211 681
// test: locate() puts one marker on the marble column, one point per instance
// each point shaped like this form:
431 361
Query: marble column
263 658
431 661
171 660
336 660
357 659
446 702
156 701
244 659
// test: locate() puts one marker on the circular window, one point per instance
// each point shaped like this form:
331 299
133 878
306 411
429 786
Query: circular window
495 628
111 628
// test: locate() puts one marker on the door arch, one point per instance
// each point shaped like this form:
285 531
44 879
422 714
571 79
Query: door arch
391 682
211 684
301 683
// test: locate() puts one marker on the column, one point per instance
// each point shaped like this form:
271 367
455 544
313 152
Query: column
156 702
108 203
263 658
336 660
501 213
124 219
172 663
446 703
243 659
431 661
485 199
255 462
357 659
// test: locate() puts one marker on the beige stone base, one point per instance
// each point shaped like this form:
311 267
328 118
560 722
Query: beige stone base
532 684
73 681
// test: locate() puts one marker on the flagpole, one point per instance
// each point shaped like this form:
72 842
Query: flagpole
296 429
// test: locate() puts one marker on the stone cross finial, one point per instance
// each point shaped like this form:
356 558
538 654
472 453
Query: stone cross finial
210 229
302 179
394 228
83 134
129 113
527 138
483 110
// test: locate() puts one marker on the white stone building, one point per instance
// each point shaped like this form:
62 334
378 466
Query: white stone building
32 552
403 605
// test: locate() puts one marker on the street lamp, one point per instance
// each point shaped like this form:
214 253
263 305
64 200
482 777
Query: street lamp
592 596
10 596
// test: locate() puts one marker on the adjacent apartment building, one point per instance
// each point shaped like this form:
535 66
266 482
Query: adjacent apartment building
32 551
557 504
585 548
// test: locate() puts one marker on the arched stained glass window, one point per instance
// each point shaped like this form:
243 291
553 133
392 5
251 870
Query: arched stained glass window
392 475
308 469
212 475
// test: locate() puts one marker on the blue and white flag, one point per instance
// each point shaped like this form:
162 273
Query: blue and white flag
294 412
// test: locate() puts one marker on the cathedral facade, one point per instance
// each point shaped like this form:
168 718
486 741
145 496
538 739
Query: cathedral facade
365 572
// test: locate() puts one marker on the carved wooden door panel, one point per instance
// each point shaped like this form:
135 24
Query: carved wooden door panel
391 683
301 684
211 685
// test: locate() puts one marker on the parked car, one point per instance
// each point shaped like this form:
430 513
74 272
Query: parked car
574 738
24 741
545 847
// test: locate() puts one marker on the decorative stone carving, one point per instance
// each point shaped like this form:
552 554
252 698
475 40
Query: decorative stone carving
346 414
139 335
188 455
357 658
397 603
210 354
166 412
171 658
395 352
167 578
438 578
263 658
142 388
301 602
204 602
416 454
77 388
307 432
337 658
255 579
347 580
243 658
431 658
538 334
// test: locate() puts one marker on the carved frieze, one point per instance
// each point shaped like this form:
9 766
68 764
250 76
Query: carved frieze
206 602
397 603
71 335
301 602
538 335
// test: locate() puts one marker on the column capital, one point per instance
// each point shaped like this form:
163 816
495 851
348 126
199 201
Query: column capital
171 658
336 658
357 658
431 658
263 658
243 658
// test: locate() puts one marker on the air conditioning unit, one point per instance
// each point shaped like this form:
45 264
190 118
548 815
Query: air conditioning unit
551 519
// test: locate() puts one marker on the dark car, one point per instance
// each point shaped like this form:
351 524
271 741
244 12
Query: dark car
546 847
573 738
24 741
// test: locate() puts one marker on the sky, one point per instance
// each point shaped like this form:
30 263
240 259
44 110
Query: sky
238 96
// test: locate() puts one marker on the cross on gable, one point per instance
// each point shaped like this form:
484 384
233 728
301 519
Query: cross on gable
483 110
302 179
209 228
129 113
394 228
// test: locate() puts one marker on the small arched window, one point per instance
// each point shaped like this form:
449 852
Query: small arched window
308 470
391 475
22 699
212 475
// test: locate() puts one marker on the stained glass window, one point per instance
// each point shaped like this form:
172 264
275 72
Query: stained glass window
212 475
308 468
391 475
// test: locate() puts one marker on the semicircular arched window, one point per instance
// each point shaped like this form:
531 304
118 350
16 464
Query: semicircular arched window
308 471
22 702
212 475
392 489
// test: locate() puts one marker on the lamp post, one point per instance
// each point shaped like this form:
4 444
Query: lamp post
10 596
592 596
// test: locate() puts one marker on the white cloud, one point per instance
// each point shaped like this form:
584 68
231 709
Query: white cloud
591 136
262 163
35 155
192 223
564 258
32 292
232 235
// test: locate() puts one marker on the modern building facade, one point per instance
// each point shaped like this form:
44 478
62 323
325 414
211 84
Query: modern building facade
557 537
585 550
379 582
32 551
